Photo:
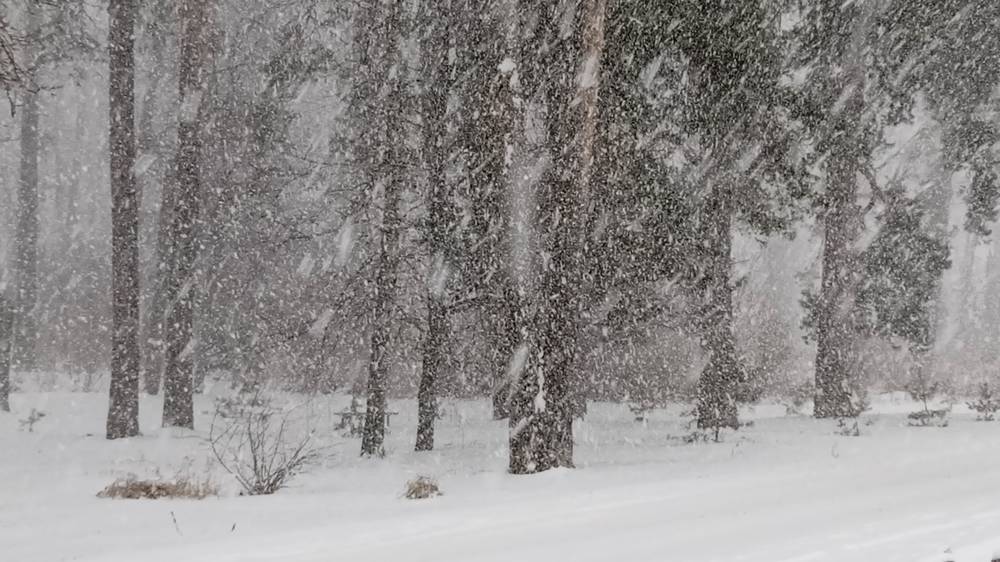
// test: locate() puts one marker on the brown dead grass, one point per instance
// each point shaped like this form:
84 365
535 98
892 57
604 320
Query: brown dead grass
132 488
422 487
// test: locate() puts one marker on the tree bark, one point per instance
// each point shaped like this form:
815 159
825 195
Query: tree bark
718 383
438 90
834 337
26 236
835 333
489 122
541 435
379 52
178 375
434 353
123 409
6 335
372 443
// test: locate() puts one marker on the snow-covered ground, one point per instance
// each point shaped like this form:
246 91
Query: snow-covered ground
784 489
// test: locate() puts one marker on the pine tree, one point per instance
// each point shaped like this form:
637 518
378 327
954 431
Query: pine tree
746 169
178 375
436 40
377 99
26 233
487 52
868 61
541 435
123 408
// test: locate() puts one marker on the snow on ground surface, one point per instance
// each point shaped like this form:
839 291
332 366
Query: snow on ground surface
789 488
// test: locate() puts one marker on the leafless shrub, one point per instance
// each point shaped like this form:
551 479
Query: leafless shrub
132 488
29 422
421 488
252 440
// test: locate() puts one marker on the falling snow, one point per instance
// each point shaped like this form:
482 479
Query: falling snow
657 280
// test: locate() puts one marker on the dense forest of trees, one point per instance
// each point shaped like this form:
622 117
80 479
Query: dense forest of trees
539 202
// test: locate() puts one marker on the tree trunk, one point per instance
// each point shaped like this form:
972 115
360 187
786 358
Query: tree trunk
489 123
438 89
149 143
834 337
372 443
541 435
123 409
718 383
6 335
26 235
835 331
379 50
433 360
178 375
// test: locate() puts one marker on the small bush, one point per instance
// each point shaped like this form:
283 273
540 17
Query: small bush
131 488
421 488
987 403
923 388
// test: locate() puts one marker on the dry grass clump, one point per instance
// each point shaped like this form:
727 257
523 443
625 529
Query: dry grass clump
422 487
132 488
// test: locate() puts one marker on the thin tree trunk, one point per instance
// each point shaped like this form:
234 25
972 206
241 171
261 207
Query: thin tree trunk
387 117
149 144
718 383
26 236
178 377
541 435
6 335
436 114
123 409
155 316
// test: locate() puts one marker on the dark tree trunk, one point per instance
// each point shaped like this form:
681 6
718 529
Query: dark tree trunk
433 360
123 409
178 374
541 435
438 89
488 123
835 333
26 235
378 52
507 323
6 335
372 442
719 381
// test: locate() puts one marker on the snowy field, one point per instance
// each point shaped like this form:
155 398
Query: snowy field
788 488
